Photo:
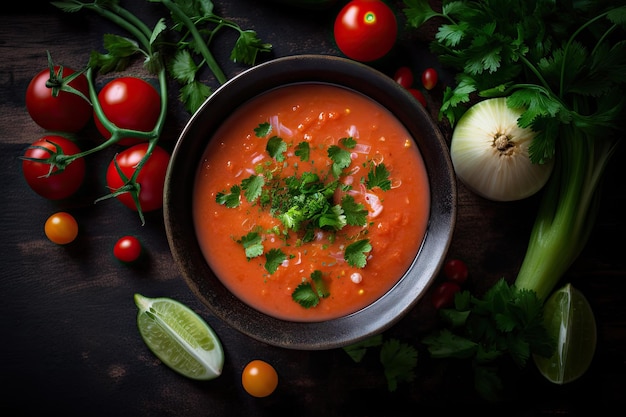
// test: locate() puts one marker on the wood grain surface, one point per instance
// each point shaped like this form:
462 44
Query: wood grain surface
69 342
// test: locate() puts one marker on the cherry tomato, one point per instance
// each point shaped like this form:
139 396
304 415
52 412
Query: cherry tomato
259 378
151 178
365 30
67 112
429 78
61 228
127 249
129 103
59 184
418 95
456 270
443 296
404 77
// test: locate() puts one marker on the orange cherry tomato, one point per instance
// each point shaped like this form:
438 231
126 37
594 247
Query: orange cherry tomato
61 228
259 378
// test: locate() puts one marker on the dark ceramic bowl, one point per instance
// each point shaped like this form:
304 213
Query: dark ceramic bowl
185 160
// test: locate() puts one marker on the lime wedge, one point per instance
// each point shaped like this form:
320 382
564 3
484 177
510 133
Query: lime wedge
570 321
179 337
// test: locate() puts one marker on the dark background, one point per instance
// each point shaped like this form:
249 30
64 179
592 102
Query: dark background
69 341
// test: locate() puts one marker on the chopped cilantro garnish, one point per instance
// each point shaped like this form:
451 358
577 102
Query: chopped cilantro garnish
273 258
309 293
303 150
378 177
341 159
253 187
262 130
356 253
305 203
276 147
252 244
230 200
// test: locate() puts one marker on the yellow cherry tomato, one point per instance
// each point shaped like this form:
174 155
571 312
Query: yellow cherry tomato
259 378
61 228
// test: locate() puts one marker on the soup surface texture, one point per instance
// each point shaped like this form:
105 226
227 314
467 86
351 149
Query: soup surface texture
311 202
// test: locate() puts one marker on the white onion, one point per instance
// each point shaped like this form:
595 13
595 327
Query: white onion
489 152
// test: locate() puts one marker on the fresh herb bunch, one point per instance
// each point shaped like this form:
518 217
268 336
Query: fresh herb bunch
195 25
564 64
304 204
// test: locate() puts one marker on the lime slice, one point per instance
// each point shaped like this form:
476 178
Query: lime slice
570 321
179 337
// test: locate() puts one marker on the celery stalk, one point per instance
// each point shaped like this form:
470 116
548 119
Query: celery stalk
567 211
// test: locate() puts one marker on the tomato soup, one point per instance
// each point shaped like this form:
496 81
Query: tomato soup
311 201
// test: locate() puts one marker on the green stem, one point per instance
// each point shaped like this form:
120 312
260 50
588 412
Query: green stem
200 43
567 210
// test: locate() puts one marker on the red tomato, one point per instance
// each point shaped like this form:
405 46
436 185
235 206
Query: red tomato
67 112
456 271
429 78
129 103
365 30
127 249
61 228
151 178
443 296
418 95
59 184
259 378
404 77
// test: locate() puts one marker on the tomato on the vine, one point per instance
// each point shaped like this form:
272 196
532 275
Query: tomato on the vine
127 249
444 294
61 228
129 103
404 77
456 271
151 178
365 30
429 78
62 112
259 378
43 176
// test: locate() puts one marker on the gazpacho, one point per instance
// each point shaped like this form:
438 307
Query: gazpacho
311 201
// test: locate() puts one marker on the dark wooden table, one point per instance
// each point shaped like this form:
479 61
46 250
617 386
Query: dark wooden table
70 345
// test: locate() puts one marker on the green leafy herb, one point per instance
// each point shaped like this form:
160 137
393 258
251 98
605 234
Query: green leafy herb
309 293
231 199
356 253
505 321
273 258
378 177
252 244
398 359
303 151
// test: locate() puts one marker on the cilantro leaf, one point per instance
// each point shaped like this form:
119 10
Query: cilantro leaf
378 177
253 187
356 253
348 142
341 159
305 295
399 361
320 286
355 213
247 47
262 130
230 200
357 350
252 244
276 148
273 258
303 151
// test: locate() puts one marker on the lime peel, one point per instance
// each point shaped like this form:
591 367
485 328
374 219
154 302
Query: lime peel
569 319
179 337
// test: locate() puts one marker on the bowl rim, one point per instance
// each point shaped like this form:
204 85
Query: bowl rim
410 288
